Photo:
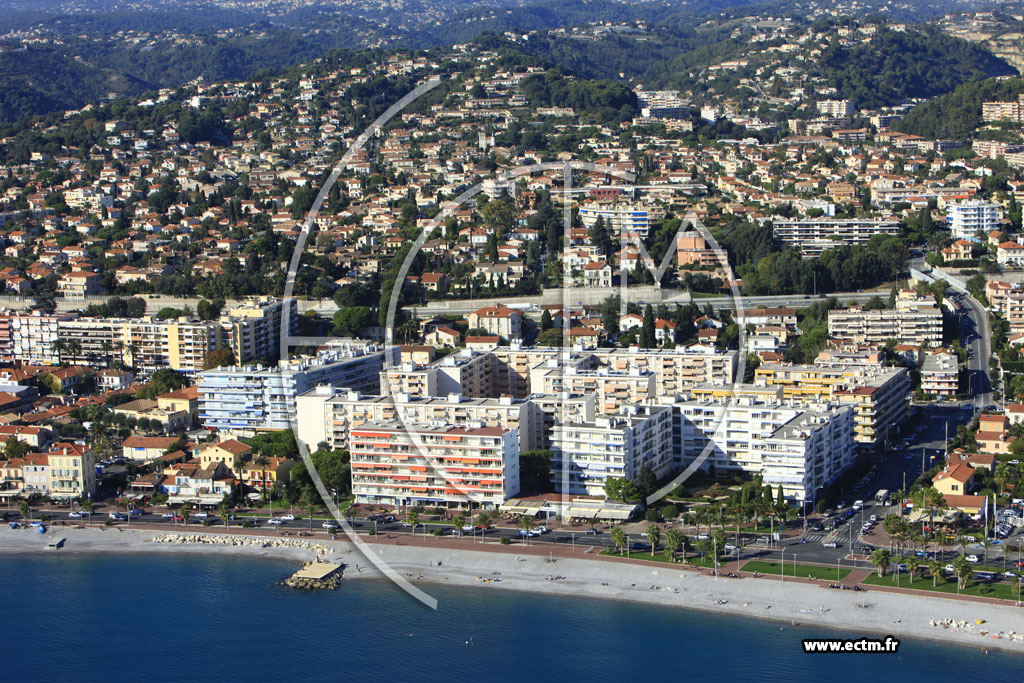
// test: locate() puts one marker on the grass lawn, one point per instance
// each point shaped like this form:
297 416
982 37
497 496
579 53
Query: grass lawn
660 556
801 570
1000 589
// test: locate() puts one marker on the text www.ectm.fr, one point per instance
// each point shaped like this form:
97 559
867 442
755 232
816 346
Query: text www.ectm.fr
887 644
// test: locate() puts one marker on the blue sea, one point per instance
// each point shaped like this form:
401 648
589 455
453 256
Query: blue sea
190 618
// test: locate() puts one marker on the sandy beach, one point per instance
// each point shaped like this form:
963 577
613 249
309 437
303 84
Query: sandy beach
795 602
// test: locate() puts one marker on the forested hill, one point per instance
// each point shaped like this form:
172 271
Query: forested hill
44 78
957 115
895 65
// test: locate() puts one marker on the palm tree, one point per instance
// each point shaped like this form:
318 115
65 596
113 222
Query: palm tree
881 559
525 523
619 538
185 512
653 535
986 543
74 348
131 348
459 521
913 563
484 519
118 348
962 568
413 518
935 568
674 540
60 347
224 509
24 509
88 506
107 348
309 502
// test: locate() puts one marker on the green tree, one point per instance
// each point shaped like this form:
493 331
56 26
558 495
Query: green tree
653 536
619 538
935 569
350 320
525 524
647 339
962 568
309 502
881 558
219 358
674 540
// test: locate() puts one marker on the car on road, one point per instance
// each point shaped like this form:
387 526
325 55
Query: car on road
469 528
202 515
75 515
168 515
136 512
117 517
730 548
591 532
275 521
873 518
288 518
703 537
763 539
330 526
973 558
949 568
542 530
831 544
865 549
640 546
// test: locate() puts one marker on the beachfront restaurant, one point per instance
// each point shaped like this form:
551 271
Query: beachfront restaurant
577 510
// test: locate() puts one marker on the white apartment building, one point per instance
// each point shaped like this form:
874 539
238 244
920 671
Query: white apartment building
325 414
836 108
911 322
814 235
255 398
621 217
28 337
585 455
939 374
674 369
966 219
613 390
799 448
400 465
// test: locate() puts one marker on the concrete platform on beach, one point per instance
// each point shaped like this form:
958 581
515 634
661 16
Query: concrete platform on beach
317 571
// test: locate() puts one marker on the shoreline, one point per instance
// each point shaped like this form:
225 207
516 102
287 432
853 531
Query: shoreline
796 602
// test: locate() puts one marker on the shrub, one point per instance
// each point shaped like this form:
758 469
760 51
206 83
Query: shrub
505 540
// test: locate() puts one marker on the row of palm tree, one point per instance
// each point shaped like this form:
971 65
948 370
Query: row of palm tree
882 558
73 348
